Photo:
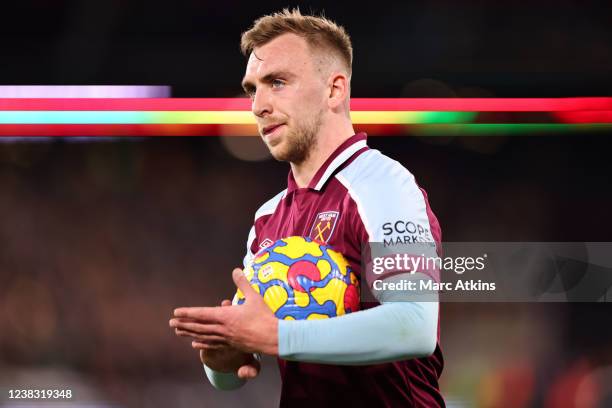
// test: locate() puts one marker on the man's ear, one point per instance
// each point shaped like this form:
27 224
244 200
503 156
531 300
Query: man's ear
339 89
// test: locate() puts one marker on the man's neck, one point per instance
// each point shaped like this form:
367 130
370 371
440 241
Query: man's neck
328 141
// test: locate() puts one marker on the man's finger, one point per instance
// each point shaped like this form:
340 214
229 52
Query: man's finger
198 345
205 314
243 284
249 371
226 302
204 338
183 320
199 328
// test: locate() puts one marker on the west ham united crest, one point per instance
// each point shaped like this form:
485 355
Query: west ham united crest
323 226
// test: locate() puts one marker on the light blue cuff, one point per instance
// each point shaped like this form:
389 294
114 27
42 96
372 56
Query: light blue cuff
223 381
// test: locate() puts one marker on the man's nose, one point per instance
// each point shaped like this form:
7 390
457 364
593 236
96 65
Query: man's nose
261 105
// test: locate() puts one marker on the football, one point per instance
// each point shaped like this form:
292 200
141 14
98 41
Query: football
302 279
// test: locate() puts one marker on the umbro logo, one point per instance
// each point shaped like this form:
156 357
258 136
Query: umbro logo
265 243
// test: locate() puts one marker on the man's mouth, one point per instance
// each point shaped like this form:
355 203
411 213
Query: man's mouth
271 128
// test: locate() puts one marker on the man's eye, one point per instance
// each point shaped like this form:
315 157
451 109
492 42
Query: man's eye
277 83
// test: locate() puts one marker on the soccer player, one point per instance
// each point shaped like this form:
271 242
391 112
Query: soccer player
339 192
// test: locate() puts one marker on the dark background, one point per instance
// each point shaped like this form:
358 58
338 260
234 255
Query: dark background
546 48
101 239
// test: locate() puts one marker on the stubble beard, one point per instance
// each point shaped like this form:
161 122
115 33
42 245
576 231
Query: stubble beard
300 142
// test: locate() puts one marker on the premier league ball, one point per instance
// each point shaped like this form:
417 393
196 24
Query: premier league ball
301 279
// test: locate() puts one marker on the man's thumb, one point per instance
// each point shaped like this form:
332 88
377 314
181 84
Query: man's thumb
242 283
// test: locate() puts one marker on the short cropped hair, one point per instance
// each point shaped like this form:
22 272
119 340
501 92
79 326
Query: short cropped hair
318 32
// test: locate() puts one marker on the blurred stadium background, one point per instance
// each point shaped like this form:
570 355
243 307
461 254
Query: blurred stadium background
101 239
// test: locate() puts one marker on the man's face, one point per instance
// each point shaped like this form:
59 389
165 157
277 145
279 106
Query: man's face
288 96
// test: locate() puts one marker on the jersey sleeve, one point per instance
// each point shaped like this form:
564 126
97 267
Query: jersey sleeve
251 243
393 213
261 215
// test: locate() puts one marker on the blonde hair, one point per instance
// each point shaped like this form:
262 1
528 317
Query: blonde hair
318 31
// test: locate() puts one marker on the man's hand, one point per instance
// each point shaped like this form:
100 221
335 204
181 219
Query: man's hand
227 359
250 327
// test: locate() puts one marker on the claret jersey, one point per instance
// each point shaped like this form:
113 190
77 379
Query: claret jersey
357 196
